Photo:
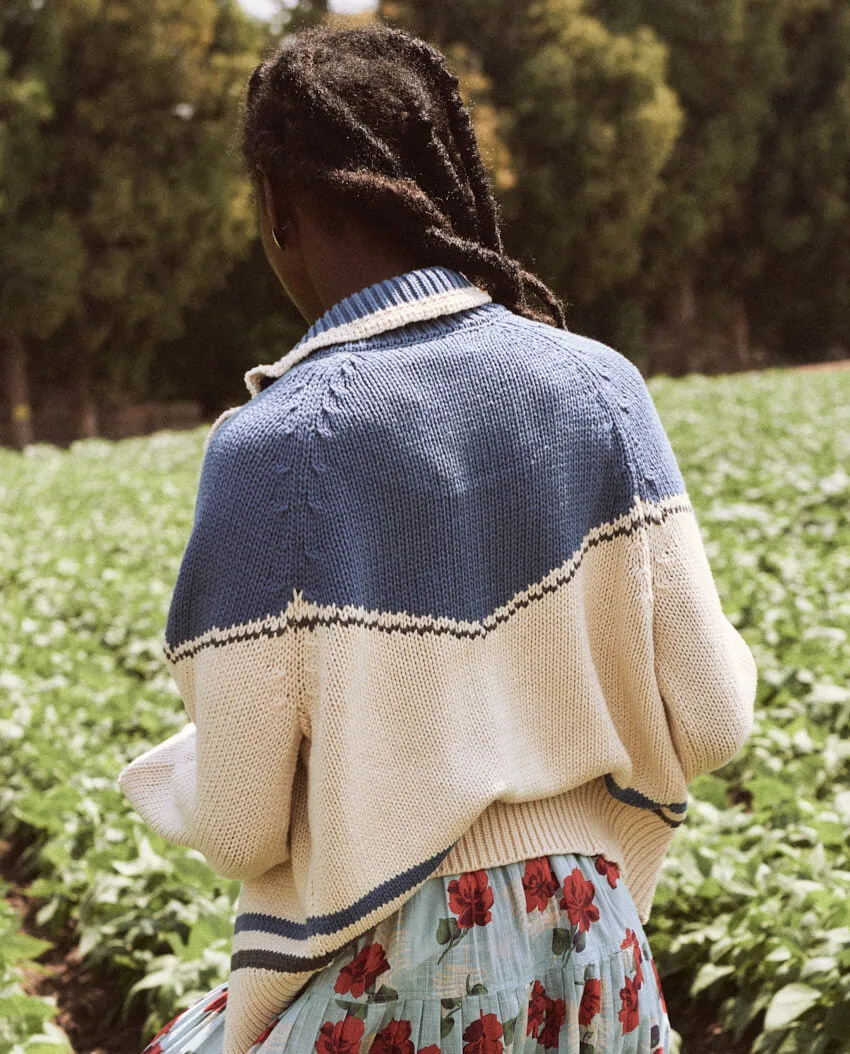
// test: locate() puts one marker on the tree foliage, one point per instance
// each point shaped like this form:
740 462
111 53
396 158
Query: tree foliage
597 123
590 122
795 229
129 191
41 251
678 172
676 162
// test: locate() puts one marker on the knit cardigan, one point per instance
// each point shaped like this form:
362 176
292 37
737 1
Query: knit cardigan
445 605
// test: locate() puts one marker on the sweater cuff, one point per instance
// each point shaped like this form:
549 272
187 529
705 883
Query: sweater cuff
160 784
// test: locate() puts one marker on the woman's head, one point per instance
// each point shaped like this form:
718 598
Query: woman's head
368 123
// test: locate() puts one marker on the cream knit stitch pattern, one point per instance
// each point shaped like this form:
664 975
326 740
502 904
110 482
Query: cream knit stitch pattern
445 605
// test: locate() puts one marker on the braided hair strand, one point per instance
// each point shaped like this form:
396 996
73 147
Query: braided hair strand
373 117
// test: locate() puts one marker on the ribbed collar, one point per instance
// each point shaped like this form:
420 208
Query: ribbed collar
427 292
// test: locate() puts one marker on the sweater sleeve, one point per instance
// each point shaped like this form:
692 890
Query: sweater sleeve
704 670
223 784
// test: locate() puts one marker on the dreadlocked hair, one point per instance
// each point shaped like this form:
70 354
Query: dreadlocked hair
372 118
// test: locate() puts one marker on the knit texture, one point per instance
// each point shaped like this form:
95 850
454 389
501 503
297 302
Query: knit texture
445 605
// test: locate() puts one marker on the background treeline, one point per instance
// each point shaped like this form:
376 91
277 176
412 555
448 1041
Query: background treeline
678 170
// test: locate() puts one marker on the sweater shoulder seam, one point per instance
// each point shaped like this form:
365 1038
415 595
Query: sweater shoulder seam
607 410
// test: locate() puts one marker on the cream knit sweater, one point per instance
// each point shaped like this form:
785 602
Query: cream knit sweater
445 605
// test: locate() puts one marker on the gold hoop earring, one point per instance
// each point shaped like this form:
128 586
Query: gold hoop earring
275 238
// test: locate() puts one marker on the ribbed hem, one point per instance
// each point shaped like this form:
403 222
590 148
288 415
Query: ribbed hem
586 821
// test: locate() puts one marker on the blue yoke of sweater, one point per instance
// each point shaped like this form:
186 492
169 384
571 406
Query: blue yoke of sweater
435 469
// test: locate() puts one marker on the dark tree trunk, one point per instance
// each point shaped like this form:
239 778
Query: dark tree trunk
741 333
84 410
673 350
14 368
684 304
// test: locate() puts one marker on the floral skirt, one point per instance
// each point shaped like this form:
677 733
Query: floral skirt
541 955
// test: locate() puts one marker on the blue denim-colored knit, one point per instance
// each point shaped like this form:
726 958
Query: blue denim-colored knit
438 468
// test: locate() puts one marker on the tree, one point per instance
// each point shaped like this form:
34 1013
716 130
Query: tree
597 124
726 58
589 122
41 254
144 101
795 229
306 13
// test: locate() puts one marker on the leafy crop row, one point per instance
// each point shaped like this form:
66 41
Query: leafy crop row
26 1021
752 913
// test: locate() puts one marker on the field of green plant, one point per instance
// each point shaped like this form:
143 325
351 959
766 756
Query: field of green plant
752 915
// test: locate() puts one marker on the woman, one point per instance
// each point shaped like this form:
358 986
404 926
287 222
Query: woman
446 634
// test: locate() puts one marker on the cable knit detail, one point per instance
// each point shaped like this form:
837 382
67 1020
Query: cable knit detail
445 606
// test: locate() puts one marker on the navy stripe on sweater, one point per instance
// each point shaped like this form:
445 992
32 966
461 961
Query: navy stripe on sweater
337 920
395 887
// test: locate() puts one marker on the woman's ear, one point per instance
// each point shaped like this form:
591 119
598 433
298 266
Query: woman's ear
268 202
275 219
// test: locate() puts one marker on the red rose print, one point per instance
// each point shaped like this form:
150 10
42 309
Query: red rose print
218 1003
578 894
658 984
536 1009
340 1038
631 939
393 1039
629 1011
264 1035
591 999
556 1012
484 1036
433 1049
609 869
362 971
470 898
539 883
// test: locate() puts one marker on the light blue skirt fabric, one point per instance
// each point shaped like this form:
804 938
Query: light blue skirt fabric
540 955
